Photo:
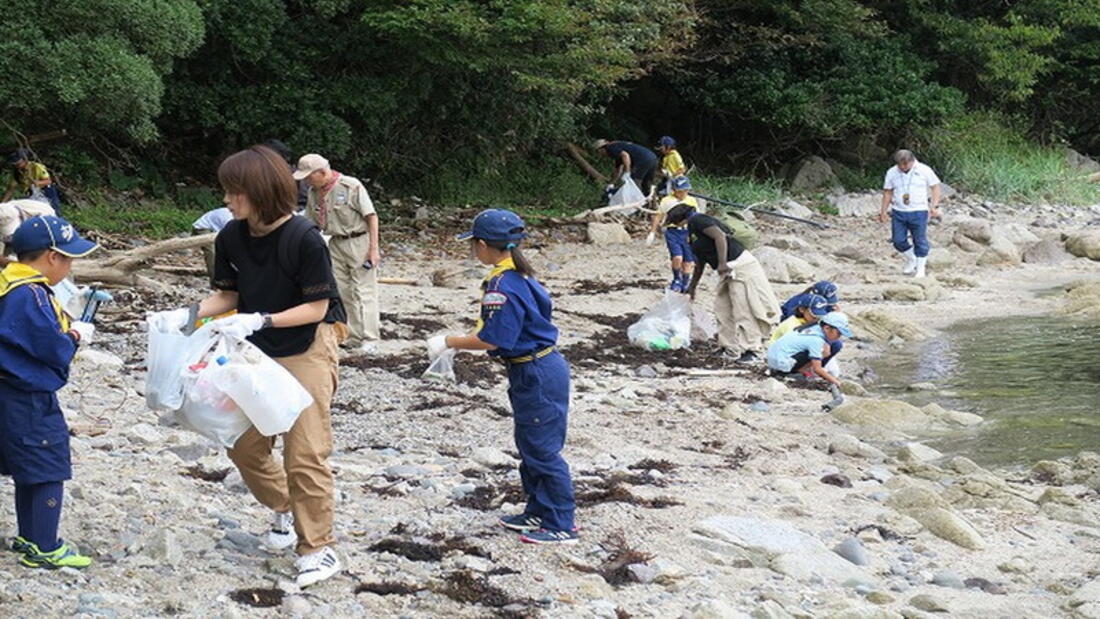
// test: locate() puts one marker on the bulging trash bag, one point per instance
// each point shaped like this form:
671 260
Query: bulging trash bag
703 325
627 194
168 354
666 326
206 409
442 368
266 392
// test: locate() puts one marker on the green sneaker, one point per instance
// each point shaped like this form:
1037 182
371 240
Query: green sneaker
20 544
64 556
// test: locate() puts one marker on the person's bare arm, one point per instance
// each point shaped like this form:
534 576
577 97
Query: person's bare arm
220 302
624 164
933 207
374 254
720 246
696 275
655 223
887 198
304 314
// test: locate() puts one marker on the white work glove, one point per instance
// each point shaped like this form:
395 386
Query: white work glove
649 239
171 321
437 345
83 329
238 326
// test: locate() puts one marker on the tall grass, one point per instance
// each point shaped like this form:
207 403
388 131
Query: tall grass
109 214
546 185
742 189
989 155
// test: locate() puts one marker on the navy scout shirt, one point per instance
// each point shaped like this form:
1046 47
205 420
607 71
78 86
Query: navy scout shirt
515 313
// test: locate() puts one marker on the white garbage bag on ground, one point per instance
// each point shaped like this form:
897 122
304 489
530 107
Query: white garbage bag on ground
666 326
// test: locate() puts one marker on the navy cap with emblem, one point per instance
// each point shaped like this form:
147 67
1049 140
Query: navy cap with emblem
496 224
49 232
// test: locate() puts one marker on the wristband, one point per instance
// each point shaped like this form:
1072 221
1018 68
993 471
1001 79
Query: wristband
268 322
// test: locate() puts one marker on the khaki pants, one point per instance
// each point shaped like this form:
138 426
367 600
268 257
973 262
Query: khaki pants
745 306
302 484
358 287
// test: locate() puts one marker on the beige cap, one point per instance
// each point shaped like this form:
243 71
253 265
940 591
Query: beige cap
600 143
309 164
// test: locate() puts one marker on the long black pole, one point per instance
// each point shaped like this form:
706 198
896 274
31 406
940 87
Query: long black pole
816 224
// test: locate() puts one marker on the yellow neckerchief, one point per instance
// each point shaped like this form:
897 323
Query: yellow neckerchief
508 264
18 274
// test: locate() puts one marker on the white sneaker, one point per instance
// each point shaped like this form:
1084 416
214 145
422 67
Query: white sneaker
920 266
282 535
317 566
910 262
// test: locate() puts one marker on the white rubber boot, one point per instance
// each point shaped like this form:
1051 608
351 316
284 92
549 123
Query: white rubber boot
920 266
910 262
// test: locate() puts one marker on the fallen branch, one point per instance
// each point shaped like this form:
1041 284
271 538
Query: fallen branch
578 156
607 210
121 269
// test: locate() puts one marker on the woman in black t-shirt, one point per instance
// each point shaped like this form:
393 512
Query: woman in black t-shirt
274 269
744 304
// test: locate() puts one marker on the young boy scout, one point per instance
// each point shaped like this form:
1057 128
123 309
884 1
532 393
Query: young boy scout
37 344
341 208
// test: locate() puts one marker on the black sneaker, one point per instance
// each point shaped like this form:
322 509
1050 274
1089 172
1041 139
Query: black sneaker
748 358
521 522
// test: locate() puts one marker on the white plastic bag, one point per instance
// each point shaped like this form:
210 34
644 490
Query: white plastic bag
442 368
206 409
267 393
703 325
168 354
666 326
628 194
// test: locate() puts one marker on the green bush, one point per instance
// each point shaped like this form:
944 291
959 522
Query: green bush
111 215
546 185
741 189
988 154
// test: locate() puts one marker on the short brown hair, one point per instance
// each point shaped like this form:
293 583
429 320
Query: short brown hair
263 176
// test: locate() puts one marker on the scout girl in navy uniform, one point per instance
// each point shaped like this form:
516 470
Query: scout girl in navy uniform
515 327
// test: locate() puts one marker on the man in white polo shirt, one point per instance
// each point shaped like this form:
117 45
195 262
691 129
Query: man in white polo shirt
912 193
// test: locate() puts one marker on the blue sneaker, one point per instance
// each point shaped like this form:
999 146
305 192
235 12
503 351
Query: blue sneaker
521 522
676 285
546 536
20 544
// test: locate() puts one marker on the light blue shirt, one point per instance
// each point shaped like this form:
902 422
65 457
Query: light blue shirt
213 220
781 353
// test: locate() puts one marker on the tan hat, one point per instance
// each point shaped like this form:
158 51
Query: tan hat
600 143
309 164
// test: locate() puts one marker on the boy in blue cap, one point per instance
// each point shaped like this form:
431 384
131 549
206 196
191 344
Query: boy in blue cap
672 164
37 344
810 308
676 235
515 327
809 349
823 288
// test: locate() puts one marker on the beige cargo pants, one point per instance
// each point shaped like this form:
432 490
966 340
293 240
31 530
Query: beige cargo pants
746 307
302 483
358 287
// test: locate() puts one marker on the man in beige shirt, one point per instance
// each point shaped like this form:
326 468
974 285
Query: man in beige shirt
341 208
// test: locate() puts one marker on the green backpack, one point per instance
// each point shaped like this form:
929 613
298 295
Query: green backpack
739 227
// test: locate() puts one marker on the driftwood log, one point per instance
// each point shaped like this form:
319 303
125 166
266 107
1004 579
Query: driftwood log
123 268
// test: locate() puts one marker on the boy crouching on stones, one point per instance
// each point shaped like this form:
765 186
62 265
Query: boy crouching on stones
37 344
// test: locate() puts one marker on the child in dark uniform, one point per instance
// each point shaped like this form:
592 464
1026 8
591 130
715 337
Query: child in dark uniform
37 344
515 327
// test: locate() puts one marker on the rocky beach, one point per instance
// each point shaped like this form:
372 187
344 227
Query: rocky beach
705 490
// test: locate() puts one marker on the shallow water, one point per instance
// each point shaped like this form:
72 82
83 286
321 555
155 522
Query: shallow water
1035 380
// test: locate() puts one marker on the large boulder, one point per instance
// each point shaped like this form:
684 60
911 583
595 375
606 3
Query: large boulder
976 229
1084 243
607 234
783 268
776 545
887 414
1017 234
1081 163
903 292
878 325
1048 251
811 173
795 209
930 510
1000 251
857 204
940 259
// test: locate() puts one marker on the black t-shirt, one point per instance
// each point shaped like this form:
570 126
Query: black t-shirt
250 266
641 158
704 247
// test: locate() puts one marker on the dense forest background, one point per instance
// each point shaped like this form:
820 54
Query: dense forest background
448 99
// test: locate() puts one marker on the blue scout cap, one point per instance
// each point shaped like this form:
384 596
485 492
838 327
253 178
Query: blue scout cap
681 183
817 304
49 232
839 321
666 140
826 289
496 224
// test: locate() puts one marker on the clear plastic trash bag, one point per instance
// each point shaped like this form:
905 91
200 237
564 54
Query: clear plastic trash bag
703 325
168 354
628 194
666 326
207 410
266 392
442 368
